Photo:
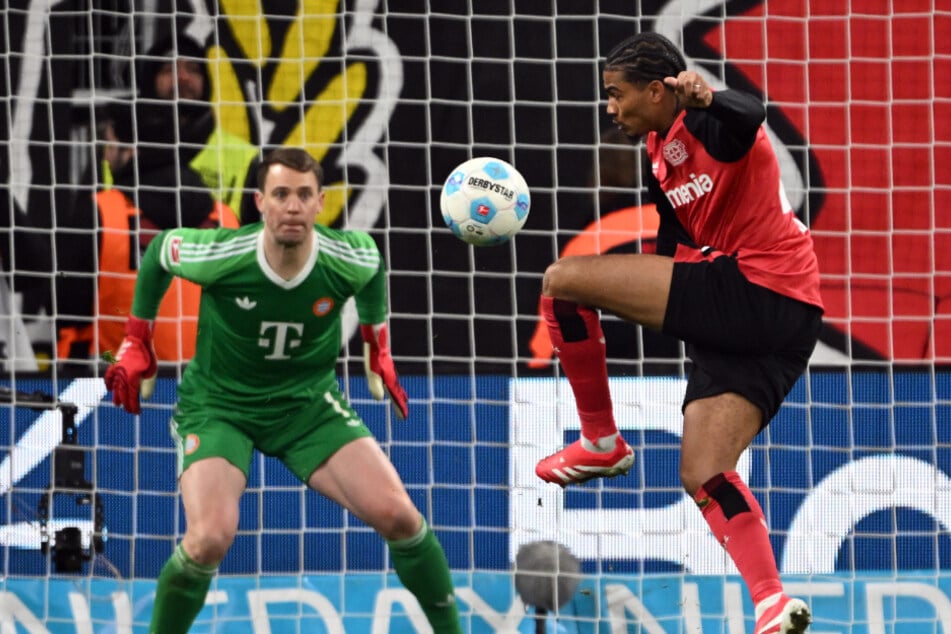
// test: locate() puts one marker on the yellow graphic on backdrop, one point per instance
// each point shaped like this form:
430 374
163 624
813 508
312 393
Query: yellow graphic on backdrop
304 48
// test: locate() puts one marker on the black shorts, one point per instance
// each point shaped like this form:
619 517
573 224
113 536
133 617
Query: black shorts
741 337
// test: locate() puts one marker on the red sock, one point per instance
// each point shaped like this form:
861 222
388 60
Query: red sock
578 341
739 525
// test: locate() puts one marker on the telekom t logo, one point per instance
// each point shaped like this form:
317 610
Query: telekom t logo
280 337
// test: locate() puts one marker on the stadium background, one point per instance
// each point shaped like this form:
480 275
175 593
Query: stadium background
521 80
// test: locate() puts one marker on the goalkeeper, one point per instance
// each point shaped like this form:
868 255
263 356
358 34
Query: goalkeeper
263 377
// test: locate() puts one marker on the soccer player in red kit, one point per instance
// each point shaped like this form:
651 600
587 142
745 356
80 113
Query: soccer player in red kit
734 277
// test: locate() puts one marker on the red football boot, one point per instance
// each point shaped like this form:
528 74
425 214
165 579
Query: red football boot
780 614
574 464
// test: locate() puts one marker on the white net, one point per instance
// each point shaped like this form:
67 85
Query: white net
853 474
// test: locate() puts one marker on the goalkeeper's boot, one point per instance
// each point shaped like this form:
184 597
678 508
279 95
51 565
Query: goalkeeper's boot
575 464
779 614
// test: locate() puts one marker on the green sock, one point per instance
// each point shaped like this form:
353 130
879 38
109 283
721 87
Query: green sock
180 593
422 567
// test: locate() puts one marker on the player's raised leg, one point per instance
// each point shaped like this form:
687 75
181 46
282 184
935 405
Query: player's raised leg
634 287
578 342
379 499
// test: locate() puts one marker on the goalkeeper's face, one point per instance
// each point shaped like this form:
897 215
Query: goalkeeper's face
289 204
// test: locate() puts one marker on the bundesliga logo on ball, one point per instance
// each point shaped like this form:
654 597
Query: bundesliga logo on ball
485 201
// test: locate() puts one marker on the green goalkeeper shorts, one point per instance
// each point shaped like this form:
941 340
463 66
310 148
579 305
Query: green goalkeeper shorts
302 438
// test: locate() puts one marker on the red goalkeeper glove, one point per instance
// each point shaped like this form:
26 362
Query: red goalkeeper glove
378 365
135 370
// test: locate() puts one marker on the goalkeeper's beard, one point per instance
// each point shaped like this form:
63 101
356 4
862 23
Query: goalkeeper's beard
289 243
292 240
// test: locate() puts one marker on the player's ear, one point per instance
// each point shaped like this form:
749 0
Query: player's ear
659 88
259 200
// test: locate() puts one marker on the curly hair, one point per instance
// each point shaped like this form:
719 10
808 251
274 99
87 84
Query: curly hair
646 57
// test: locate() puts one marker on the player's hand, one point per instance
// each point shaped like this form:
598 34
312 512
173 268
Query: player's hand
378 365
692 89
136 368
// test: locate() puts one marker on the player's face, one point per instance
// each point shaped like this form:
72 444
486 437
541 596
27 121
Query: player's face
636 109
289 204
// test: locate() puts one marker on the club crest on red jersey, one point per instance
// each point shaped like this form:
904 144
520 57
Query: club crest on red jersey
675 152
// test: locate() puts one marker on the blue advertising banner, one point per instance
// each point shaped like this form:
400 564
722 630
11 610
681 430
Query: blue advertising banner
853 475
368 604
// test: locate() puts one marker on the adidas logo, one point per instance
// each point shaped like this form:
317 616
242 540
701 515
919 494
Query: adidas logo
450 599
245 303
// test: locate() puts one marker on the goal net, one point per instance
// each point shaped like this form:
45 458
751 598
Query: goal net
854 474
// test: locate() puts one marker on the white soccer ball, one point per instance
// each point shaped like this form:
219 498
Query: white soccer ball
485 201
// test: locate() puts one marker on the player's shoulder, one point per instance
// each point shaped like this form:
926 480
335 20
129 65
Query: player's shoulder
187 244
253 228
355 246
214 234
348 236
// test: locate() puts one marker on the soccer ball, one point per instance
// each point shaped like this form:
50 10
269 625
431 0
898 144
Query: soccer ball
485 201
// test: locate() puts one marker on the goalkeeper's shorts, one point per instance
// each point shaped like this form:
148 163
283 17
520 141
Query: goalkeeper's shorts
741 337
302 439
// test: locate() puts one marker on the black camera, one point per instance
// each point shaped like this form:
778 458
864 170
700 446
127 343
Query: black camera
62 542
65 545
69 555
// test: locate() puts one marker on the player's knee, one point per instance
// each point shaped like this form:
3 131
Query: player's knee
211 549
397 521
690 483
693 477
208 544
557 278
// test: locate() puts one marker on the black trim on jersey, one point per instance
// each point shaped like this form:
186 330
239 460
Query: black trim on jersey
671 232
727 129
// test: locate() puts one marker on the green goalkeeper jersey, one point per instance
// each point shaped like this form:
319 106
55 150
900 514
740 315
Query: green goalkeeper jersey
264 343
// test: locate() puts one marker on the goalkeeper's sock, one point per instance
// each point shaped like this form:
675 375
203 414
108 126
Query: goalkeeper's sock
578 342
737 521
180 593
421 566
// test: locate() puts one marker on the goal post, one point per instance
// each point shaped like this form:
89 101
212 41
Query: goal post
854 473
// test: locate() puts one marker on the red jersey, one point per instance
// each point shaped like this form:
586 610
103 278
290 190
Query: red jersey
717 174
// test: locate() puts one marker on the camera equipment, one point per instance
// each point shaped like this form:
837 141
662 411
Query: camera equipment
65 545
547 575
